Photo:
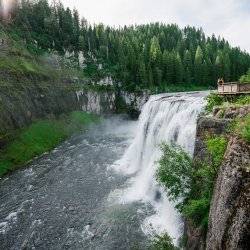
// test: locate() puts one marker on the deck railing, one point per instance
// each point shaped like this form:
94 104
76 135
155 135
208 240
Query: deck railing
234 88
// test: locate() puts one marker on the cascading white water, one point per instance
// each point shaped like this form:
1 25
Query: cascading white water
164 118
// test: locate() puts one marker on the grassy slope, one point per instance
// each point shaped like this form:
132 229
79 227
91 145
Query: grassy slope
20 67
40 137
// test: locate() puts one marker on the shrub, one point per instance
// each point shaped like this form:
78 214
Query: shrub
243 100
216 147
241 126
198 210
212 101
190 184
163 242
246 77
175 171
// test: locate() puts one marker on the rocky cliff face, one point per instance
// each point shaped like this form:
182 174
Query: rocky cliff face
106 102
229 217
23 102
207 125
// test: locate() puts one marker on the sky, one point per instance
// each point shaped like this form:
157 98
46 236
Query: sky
228 18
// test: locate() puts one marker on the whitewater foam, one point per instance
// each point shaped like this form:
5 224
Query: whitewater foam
164 118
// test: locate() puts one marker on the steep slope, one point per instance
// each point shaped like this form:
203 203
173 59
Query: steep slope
229 222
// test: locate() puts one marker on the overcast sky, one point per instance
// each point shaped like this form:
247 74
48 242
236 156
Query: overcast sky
228 18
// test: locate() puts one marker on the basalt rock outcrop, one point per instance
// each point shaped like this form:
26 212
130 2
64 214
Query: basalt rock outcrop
22 102
207 126
231 112
229 217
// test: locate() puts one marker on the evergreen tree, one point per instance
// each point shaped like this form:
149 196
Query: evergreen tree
155 50
178 69
219 65
144 55
198 66
188 67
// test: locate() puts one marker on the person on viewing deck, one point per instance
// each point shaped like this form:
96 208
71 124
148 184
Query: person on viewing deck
220 81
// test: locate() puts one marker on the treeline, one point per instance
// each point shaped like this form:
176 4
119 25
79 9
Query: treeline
136 56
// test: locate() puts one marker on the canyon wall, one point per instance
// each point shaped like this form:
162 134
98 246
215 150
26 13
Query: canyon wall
23 102
229 217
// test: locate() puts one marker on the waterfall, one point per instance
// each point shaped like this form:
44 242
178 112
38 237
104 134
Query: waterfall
164 118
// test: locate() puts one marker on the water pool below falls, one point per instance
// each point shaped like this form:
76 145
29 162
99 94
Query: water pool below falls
98 190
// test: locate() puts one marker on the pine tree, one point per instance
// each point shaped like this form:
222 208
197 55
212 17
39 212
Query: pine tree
149 54
188 67
155 50
219 65
198 65
142 73
76 31
178 69
226 66
169 67
150 77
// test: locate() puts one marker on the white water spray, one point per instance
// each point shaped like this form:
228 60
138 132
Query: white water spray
164 118
5 8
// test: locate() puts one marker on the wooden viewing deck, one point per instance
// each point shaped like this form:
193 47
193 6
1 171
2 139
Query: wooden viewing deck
233 88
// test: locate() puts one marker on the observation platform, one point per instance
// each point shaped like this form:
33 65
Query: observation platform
233 88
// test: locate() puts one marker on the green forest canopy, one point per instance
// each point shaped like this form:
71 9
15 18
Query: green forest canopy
138 57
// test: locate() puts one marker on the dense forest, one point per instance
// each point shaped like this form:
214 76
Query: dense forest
136 57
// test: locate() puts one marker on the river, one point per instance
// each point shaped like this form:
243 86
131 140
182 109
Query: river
97 190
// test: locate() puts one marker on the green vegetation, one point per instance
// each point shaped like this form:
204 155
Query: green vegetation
215 100
175 172
155 56
241 127
22 67
190 184
162 242
216 147
40 137
245 78
182 87
16 60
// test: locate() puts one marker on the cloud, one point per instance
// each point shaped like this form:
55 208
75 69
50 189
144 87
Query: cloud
227 18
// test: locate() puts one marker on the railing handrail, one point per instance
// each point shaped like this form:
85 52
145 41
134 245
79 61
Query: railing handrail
228 83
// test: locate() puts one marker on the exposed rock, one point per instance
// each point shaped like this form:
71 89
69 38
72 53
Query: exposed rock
96 102
231 112
211 125
195 237
23 102
207 126
229 220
